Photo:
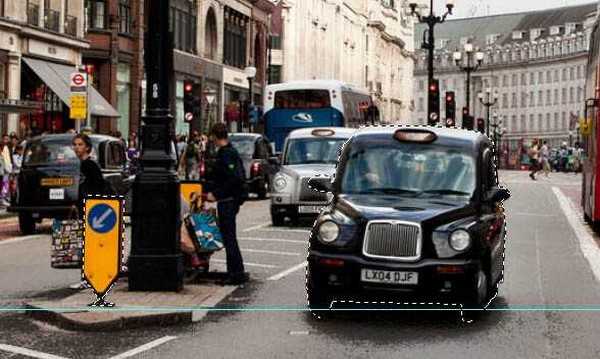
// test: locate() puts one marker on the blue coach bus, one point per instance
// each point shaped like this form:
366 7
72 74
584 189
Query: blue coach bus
315 103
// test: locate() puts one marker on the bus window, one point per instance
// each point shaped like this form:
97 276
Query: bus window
302 99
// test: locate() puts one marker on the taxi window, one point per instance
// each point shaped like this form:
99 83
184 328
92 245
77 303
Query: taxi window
49 152
409 169
313 150
115 155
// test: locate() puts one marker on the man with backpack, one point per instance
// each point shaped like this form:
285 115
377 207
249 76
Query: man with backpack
227 186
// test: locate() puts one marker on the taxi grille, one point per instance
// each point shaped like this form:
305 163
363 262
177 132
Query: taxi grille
309 194
393 240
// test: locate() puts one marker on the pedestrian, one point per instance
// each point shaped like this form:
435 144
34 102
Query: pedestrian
545 158
191 158
226 187
6 167
534 153
91 181
17 158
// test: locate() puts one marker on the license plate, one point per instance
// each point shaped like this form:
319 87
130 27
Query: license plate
389 277
56 182
57 193
309 209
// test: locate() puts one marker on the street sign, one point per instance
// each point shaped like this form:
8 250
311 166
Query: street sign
78 82
189 117
103 244
78 106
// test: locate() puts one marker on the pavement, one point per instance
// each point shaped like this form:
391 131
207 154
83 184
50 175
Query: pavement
547 307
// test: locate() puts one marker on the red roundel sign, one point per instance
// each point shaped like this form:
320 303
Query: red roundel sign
77 79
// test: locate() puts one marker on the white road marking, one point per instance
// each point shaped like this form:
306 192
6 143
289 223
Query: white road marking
28 352
252 239
21 239
286 230
586 240
250 264
288 271
299 332
270 252
253 228
145 347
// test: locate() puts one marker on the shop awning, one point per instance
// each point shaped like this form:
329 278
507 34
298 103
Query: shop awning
57 77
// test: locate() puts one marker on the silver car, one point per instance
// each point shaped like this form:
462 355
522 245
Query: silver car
307 153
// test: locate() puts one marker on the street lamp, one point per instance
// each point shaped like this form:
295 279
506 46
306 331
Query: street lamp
211 96
469 67
431 20
488 100
498 131
250 73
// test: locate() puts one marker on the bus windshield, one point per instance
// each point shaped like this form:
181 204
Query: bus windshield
313 150
302 99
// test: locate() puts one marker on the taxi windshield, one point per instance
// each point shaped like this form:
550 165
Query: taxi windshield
244 145
408 169
313 150
49 152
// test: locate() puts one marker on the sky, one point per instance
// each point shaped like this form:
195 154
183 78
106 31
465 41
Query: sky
468 8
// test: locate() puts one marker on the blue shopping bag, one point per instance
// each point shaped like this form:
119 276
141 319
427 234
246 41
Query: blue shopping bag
206 231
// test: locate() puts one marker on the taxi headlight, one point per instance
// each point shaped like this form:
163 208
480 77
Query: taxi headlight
279 182
328 231
460 240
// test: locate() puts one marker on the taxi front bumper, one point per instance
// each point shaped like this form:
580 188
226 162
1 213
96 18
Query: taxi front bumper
340 276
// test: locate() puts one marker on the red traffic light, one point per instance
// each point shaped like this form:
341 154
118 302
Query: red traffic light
188 87
432 87
449 98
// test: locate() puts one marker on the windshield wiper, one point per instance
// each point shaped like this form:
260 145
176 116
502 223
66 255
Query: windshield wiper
447 191
392 191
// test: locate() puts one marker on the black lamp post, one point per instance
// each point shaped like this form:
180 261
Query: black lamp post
156 262
488 100
431 20
468 68
497 131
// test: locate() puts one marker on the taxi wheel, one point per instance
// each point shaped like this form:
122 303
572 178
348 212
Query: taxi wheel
262 189
278 220
26 223
480 294
318 301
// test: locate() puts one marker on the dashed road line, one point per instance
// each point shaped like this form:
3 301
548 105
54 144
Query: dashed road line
293 254
586 240
277 240
145 347
254 228
28 352
288 271
250 264
286 230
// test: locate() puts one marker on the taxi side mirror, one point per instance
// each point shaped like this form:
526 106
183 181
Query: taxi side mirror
497 195
274 161
321 184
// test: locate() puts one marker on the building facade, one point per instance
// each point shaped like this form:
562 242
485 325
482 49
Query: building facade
40 45
535 61
363 42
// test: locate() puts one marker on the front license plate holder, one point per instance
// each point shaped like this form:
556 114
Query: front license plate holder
309 209
389 277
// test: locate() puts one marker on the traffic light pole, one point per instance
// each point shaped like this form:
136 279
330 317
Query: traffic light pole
431 20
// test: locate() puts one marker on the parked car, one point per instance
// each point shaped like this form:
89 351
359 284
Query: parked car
307 152
256 153
415 213
47 185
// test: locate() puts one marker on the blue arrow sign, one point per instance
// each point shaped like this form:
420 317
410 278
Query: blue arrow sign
102 218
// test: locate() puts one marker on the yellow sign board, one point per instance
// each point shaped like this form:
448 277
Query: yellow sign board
78 106
585 127
187 189
102 248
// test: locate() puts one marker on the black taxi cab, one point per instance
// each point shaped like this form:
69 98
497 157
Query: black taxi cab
416 213
48 183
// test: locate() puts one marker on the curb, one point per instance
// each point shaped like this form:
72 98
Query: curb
61 320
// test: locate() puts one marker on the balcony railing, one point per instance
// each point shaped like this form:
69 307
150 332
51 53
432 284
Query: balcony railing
71 25
51 20
33 14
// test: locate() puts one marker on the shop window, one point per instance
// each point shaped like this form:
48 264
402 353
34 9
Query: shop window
96 14
125 16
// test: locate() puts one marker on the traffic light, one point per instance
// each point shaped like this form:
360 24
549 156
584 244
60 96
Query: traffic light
481 125
467 120
434 102
192 101
450 109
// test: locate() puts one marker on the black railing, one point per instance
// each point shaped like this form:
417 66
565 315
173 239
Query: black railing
33 14
71 25
51 20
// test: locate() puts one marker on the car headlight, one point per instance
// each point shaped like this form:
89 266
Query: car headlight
460 240
279 182
328 231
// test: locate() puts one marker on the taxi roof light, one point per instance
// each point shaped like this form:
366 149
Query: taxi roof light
323 132
421 136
